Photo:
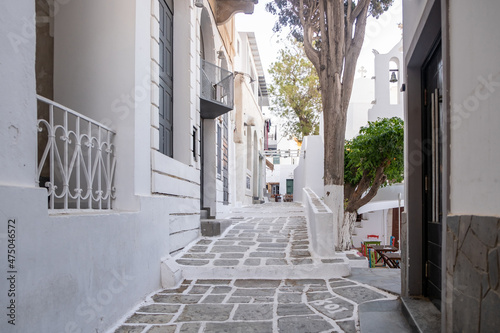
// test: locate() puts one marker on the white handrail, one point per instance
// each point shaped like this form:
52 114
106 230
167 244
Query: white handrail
73 112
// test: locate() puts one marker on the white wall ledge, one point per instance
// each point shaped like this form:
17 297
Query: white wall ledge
321 227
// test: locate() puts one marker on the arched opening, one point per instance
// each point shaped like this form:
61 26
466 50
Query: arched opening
207 45
394 75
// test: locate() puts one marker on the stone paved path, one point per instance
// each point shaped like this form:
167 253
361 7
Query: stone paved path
265 241
254 305
259 276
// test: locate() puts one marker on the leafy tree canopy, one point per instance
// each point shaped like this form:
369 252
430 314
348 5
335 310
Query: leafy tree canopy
332 32
287 10
295 92
373 159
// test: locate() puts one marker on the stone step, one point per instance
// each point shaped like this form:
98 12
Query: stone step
378 316
421 314
339 267
212 227
205 214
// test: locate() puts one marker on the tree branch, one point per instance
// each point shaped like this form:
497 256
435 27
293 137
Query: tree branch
325 46
359 8
339 33
348 28
352 56
348 191
311 53
361 187
379 179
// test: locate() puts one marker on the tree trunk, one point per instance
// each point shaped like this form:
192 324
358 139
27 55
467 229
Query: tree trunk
335 63
334 134
345 231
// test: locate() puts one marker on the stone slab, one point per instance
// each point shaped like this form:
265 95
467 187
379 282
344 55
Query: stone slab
192 262
254 312
213 281
199 289
159 308
230 248
149 318
130 329
226 262
243 327
252 262
190 328
162 329
214 299
359 294
301 324
286 298
294 309
254 292
257 283
177 299
205 312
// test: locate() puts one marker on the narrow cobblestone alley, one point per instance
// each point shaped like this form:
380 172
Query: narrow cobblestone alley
261 276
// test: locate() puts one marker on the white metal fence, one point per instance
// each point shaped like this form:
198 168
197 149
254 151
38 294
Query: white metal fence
76 158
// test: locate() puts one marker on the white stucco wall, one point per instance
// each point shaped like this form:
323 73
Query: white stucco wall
17 84
309 172
474 116
412 13
374 223
363 93
96 77
81 271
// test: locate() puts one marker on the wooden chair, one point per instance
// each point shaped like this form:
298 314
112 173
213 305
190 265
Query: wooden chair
364 247
372 260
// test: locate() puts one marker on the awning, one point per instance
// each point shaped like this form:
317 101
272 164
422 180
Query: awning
269 164
380 205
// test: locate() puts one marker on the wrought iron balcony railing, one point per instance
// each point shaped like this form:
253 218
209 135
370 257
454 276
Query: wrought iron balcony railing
217 90
76 158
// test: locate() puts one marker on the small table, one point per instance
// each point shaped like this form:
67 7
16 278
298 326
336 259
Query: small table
392 259
381 249
369 243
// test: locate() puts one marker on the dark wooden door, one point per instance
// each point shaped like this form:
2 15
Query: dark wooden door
166 77
432 174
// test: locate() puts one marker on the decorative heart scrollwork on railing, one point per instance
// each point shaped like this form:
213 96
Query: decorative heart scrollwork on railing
76 159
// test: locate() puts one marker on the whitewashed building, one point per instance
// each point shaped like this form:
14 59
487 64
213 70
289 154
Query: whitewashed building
372 98
116 137
380 216
450 235
250 96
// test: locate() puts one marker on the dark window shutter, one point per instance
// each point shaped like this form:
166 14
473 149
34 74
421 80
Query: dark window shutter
166 78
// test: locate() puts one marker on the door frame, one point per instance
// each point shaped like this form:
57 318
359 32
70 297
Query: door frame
432 215
433 25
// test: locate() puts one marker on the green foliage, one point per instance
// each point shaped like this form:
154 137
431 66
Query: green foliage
380 144
284 9
295 92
